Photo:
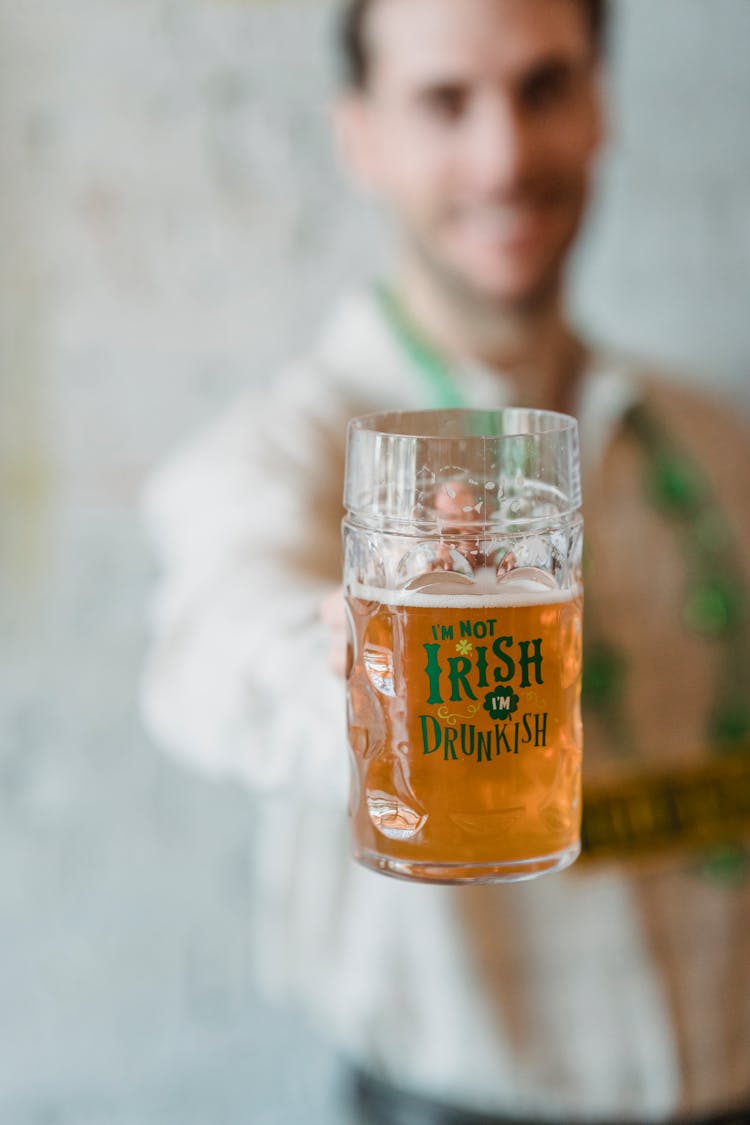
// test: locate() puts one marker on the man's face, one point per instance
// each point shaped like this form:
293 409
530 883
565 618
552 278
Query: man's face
478 127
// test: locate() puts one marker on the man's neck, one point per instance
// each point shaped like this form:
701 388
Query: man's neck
533 348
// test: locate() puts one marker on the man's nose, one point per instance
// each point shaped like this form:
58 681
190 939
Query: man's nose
500 145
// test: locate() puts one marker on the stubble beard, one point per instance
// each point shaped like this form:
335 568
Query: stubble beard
470 301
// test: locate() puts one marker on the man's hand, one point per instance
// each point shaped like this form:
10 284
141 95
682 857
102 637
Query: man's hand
333 615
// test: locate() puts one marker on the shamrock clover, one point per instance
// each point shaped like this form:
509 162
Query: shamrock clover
464 647
501 703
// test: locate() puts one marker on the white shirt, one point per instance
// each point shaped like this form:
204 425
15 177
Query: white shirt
550 998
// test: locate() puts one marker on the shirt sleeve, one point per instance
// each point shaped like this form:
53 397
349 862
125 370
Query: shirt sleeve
246 524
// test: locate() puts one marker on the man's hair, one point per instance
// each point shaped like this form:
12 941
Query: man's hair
353 36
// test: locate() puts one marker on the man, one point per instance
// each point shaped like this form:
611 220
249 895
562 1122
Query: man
613 992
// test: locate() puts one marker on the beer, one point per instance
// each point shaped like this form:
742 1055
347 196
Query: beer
465 729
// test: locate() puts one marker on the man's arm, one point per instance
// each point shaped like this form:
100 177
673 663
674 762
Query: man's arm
247 525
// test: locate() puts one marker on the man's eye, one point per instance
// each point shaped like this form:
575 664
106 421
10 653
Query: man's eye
549 87
446 103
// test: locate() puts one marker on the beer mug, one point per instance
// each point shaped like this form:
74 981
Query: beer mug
462 576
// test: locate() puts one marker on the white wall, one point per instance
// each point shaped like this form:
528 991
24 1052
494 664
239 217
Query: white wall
667 268
171 228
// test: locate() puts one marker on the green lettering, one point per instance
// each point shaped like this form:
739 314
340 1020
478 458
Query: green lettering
459 670
449 749
437 736
508 663
526 660
481 666
433 671
484 745
501 738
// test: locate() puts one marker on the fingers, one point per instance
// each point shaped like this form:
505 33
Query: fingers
333 616
337 657
333 609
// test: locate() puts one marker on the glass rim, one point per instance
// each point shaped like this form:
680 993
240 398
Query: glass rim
405 465
385 423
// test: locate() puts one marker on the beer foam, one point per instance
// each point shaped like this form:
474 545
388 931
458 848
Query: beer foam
484 592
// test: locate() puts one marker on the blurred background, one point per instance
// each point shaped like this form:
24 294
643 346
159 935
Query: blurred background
172 229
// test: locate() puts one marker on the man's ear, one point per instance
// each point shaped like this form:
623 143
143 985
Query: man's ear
355 139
